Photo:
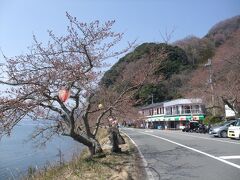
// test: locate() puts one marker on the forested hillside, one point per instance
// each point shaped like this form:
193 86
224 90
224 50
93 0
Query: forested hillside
179 68
167 61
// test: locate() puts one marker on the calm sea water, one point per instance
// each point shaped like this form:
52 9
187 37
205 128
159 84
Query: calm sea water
16 155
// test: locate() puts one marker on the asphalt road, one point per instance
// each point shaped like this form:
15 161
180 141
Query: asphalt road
179 155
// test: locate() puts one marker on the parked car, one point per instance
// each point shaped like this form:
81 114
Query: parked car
202 128
234 131
222 129
192 126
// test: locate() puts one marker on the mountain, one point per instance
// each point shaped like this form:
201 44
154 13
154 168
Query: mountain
223 30
180 65
167 60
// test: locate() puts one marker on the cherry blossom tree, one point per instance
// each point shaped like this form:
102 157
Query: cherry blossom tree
72 63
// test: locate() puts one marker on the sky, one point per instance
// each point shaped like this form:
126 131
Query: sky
141 20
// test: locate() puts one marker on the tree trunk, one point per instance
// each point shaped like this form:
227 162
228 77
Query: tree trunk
91 142
95 148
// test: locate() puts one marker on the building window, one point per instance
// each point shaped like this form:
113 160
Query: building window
196 109
187 109
146 112
168 110
174 110
177 110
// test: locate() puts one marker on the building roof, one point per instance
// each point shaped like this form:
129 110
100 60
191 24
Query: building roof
173 102
151 106
183 101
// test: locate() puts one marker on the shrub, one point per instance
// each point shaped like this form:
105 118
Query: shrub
212 120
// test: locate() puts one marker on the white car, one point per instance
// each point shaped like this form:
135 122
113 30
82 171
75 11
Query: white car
234 131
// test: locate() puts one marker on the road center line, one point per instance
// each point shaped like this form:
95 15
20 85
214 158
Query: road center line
229 157
193 149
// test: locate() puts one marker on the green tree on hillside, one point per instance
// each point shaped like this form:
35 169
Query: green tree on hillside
165 61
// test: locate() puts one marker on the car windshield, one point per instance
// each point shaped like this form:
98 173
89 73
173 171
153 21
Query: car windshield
237 123
225 123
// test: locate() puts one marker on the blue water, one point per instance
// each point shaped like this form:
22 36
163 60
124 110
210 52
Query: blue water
17 155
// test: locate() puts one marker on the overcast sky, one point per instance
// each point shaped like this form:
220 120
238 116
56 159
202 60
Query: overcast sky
138 19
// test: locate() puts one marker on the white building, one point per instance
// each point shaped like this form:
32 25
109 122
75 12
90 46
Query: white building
229 112
173 114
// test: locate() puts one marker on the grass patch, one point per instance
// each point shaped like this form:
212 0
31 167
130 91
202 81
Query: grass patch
124 165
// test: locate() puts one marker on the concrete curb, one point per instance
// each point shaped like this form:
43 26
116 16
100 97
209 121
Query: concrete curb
145 164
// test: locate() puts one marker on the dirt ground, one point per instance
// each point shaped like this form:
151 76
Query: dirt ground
126 165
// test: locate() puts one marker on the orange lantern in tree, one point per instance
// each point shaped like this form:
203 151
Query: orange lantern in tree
64 94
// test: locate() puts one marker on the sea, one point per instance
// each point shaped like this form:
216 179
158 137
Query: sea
18 155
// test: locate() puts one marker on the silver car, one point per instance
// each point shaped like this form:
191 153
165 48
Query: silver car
222 129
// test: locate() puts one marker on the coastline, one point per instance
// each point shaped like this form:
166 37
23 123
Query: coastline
126 165
18 156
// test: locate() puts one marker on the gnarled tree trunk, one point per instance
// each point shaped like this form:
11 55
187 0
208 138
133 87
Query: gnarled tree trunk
91 142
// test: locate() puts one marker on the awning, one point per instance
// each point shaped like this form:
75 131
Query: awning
170 118
153 119
175 118
182 118
195 118
201 117
159 118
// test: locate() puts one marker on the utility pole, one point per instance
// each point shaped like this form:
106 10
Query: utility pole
210 81
152 98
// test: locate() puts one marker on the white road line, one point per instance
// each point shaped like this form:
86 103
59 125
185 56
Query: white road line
205 138
145 164
229 157
193 149
148 131
132 129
